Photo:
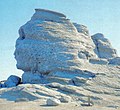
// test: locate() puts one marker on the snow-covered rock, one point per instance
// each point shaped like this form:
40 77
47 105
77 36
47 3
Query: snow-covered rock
29 77
99 61
104 48
115 61
53 102
12 81
50 42
82 29
65 99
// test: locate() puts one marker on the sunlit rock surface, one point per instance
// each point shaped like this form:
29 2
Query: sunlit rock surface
68 66
50 42
104 48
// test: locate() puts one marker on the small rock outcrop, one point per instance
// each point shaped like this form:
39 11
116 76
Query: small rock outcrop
104 48
12 81
81 29
65 99
53 102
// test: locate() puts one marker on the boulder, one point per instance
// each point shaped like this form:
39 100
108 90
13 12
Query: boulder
115 61
53 102
104 48
65 99
50 42
12 81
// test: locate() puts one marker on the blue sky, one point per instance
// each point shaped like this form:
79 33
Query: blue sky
98 15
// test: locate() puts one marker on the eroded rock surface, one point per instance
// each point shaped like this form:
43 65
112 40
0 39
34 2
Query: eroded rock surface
50 42
104 48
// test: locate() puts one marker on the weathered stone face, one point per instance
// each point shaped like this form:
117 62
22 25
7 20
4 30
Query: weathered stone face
49 42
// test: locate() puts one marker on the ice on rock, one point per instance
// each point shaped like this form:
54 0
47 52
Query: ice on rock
81 29
53 102
50 42
104 48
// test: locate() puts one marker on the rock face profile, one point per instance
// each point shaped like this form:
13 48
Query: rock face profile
64 66
50 42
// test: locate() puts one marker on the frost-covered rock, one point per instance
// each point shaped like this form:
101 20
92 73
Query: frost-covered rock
104 48
81 29
50 42
115 61
29 77
98 61
53 102
65 99
12 81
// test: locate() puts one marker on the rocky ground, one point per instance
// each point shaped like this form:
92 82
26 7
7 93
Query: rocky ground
103 90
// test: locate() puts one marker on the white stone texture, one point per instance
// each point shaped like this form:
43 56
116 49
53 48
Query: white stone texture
50 42
98 61
104 48
53 102
65 99
78 81
81 29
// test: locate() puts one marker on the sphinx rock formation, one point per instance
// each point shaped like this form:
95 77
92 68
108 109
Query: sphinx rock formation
50 43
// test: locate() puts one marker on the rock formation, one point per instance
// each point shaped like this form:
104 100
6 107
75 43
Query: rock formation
12 81
51 43
81 29
69 65
104 48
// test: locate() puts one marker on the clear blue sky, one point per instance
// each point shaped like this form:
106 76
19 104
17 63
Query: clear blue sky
98 15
